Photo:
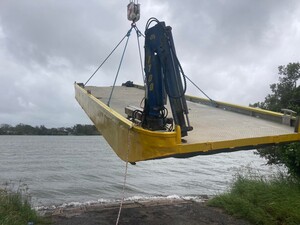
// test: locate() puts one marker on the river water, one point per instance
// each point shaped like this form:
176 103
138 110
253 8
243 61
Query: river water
60 170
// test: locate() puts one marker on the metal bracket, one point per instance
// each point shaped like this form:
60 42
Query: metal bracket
288 116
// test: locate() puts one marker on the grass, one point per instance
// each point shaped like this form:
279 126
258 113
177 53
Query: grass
15 208
260 201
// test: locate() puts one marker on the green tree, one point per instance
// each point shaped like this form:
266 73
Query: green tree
79 129
22 129
5 129
285 94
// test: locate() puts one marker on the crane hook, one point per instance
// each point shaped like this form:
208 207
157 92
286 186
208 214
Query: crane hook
133 11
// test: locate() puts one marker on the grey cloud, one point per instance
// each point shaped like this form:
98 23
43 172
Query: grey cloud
231 49
39 30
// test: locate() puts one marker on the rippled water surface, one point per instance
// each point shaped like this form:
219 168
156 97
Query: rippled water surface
64 169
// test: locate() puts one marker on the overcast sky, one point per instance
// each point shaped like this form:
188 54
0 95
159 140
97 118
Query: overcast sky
230 48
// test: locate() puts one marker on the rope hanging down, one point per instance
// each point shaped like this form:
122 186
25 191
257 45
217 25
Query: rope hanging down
123 193
125 178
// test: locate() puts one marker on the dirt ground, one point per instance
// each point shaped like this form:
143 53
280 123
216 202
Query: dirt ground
175 212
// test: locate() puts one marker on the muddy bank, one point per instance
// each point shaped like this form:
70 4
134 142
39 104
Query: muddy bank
176 212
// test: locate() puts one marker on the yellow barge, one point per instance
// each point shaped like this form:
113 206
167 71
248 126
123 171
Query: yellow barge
218 126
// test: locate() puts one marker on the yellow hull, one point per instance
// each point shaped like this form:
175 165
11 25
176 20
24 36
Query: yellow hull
133 143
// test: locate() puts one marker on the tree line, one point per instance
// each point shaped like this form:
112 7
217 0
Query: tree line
284 95
25 129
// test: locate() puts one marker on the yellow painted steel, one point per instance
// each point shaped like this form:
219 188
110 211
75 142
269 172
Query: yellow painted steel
121 133
237 107
118 132
232 145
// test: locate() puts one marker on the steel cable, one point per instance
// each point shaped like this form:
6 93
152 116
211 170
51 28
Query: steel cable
120 64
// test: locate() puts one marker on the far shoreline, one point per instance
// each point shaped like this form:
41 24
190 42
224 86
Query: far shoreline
25 129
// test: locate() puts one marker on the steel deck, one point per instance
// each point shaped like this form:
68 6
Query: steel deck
218 126
210 124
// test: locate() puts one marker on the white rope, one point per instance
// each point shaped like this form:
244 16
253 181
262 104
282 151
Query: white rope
125 178
123 197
